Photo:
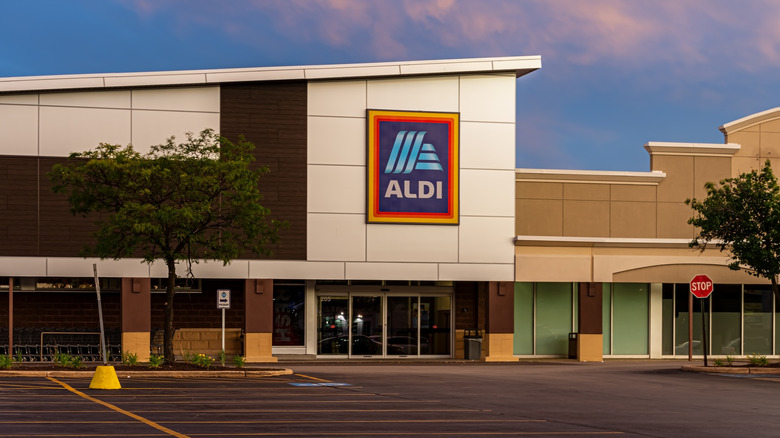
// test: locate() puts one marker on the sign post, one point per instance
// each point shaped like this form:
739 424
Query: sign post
223 302
105 376
702 287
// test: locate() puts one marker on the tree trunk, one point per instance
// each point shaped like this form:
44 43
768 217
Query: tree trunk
168 329
775 289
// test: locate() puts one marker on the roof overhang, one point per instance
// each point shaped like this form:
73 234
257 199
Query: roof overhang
749 121
517 65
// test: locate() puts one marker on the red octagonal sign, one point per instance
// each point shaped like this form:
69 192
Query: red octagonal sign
701 286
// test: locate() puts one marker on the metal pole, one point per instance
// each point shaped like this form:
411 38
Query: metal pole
10 316
690 326
100 314
223 330
704 331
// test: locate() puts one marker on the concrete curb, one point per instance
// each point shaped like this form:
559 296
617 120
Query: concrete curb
167 374
730 370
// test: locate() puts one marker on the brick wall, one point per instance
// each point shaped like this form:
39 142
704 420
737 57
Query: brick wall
273 117
199 310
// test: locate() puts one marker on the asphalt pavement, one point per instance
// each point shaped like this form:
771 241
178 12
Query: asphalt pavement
374 399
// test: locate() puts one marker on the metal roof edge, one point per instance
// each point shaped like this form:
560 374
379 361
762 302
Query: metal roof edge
519 65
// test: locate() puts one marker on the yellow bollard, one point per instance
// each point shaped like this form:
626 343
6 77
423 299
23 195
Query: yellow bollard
105 378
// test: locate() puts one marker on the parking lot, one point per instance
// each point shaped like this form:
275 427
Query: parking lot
627 399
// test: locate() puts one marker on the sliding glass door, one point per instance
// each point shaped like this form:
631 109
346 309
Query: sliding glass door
384 325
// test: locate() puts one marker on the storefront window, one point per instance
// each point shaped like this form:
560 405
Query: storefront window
777 327
758 320
62 284
726 302
630 318
524 318
681 296
606 317
289 314
667 330
553 318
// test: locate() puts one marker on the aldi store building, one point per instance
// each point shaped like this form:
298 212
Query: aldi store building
411 231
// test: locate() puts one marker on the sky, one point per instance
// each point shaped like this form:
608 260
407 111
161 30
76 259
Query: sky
615 74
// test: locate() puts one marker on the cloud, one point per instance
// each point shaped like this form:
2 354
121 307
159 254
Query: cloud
667 37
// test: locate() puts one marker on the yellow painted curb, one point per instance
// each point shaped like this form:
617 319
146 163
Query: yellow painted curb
105 378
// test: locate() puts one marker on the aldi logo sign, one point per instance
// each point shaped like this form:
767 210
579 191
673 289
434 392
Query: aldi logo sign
413 167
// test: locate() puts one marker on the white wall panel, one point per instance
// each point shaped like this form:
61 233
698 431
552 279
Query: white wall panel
90 99
64 130
337 98
19 99
486 240
487 145
425 94
488 98
215 269
336 140
23 266
392 271
487 193
202 99
18 130
412 243
154 127
296 270
335 237
80 267
476 272
336 189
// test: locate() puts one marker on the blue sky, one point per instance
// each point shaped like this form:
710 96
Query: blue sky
615 74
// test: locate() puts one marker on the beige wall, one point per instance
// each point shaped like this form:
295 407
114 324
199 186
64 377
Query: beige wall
586 209
620 261
584 226
759 138
642 205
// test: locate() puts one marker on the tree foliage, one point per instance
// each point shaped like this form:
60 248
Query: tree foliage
741 216
189 201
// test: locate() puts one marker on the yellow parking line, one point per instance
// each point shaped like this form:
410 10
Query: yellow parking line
313 378
120 410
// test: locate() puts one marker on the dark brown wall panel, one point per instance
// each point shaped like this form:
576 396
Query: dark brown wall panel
18 206
273 117
501 299
589 309
470 302
62 234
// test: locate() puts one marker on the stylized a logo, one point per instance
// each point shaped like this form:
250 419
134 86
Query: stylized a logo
409 153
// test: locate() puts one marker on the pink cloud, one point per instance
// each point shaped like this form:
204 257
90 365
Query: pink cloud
692 36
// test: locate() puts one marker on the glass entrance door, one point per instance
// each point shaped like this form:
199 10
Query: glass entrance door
332 326
367 326
402 326
435 328
386 324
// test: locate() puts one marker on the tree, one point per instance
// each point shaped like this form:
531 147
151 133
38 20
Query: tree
190 201
741 216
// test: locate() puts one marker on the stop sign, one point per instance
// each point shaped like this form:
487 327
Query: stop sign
701 286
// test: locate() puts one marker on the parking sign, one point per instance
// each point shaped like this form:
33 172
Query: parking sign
223 299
